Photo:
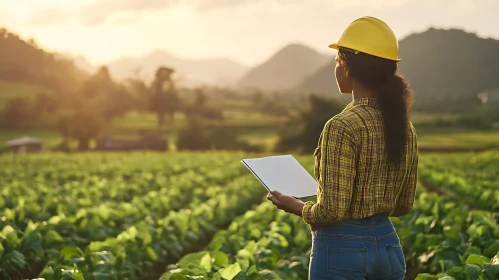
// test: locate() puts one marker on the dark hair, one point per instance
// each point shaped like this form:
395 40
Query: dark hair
392 93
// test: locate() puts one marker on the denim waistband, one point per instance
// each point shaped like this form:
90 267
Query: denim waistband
372 221
372 227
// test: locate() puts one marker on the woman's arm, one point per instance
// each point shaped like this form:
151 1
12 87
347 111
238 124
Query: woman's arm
405 200
337 175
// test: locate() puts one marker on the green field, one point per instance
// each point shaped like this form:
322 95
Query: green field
11 90
445 138
458 138
203 216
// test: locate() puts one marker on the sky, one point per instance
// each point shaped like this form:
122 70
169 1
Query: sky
248 31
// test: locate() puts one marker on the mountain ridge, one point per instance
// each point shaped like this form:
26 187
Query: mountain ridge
435 67
284 69
218 70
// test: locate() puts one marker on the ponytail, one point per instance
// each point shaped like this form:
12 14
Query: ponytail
392 93
394 100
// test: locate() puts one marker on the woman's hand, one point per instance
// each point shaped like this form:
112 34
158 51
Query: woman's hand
286 203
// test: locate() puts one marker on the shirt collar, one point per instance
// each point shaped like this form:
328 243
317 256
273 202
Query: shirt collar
367 101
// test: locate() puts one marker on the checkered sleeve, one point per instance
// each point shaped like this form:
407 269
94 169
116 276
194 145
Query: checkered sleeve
337 175
407 193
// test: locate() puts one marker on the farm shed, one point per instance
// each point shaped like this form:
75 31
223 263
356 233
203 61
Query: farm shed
145 143
25 145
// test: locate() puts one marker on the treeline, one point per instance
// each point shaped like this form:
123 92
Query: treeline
23 61
82 106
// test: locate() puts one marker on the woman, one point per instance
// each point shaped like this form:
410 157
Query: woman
366 163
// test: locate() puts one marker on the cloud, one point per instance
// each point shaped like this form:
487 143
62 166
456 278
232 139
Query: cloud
99 11
49 17
216 4
207 5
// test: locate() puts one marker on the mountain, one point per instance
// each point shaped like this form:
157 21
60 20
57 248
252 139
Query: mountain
442 66
82 63
22 61
219 71
79 61
285 69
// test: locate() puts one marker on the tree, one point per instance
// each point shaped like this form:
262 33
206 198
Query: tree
200 99
140 94
106 97
257 98
18 112
165 101
83 126
46 103
200 108
303 133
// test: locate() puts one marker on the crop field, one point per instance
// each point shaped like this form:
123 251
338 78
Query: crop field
203 216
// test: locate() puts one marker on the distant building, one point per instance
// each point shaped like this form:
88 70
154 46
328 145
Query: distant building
25 145
145 143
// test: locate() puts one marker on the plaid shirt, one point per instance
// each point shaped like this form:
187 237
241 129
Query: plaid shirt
355 178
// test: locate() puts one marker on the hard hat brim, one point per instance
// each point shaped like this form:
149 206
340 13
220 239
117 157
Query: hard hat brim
334 46
337 47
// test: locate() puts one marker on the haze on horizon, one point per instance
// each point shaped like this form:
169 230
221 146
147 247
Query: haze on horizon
248 31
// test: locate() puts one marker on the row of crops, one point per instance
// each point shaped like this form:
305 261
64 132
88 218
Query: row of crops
139 216
113 216
443 238
438 236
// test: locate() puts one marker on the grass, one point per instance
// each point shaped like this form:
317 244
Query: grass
458 138
10 90
255 127
263 137
441 138
417 117
135 121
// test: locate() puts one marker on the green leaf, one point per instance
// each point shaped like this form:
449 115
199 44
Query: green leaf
447 277
9 233
472 250
426 276
221 259
492 270
69 253
206 262
13 261
491 249
473 271
279 240
230 272
193 258
251 270
216 276
251 247
78 275
457 272
477 260
269 275
52 237
152 254
243 262
245 254
445 265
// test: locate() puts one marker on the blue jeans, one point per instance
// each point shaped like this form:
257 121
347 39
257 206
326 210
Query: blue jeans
367 248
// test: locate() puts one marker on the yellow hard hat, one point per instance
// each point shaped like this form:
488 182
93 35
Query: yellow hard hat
369 35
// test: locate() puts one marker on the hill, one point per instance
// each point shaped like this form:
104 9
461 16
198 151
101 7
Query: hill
11 90
285 69
23 61
442 66
219 71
